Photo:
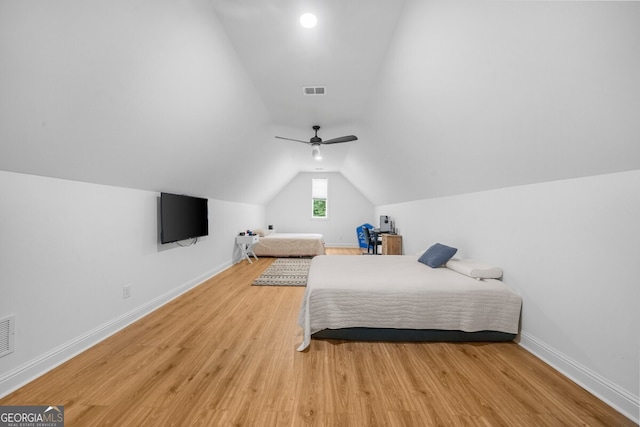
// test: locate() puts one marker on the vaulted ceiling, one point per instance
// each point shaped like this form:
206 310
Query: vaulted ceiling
445 97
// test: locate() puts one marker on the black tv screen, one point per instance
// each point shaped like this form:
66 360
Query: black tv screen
182 217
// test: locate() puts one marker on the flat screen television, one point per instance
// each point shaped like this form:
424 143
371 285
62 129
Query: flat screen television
182 217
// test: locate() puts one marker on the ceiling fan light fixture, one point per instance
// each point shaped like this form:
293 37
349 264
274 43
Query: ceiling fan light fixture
315 152
315 142
308 20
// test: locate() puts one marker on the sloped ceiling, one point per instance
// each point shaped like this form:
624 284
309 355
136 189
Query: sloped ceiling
445 97
482 95
141 94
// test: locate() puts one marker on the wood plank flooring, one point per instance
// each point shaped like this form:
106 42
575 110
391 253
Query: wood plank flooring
224 354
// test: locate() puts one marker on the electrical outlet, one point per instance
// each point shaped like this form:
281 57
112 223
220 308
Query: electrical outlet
126 291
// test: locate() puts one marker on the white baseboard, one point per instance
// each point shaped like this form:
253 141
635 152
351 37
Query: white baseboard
34 368
618 398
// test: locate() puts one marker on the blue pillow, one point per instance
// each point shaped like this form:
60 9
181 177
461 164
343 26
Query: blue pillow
437 255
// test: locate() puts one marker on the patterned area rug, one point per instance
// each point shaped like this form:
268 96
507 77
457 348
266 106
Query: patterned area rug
285 272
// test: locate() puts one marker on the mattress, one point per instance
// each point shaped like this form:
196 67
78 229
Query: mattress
398 292
290 244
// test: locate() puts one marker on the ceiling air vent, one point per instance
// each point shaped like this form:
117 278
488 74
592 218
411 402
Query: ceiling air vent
314 90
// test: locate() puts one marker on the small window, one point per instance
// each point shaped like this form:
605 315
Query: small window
319 198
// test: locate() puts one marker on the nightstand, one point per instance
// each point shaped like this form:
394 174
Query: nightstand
391 244
245 243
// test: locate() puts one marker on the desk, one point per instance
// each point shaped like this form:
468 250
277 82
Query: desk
245 243
391 244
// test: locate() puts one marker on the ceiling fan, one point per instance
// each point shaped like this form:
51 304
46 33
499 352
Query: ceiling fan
315 142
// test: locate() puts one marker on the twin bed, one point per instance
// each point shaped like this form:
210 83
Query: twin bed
288 244
394 297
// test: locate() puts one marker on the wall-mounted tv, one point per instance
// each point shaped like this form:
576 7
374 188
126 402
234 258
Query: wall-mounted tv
182 217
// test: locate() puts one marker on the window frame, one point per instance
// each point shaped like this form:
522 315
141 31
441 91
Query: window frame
316 195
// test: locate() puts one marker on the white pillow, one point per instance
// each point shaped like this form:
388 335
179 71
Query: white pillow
475 269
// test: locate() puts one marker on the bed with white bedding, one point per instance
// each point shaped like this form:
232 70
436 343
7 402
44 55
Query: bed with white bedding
289 244
396 293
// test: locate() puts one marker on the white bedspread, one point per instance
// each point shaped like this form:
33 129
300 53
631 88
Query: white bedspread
290 244
396 291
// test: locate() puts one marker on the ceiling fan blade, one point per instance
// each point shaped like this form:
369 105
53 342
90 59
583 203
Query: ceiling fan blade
297 140
341 139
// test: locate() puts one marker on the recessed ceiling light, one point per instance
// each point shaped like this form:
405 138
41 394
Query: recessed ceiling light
308 20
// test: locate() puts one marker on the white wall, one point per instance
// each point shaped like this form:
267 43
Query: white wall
68 248
290 210
571 248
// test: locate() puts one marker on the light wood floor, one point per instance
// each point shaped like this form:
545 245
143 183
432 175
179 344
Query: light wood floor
225 354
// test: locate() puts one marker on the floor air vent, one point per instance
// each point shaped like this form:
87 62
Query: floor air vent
314 90
7 334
